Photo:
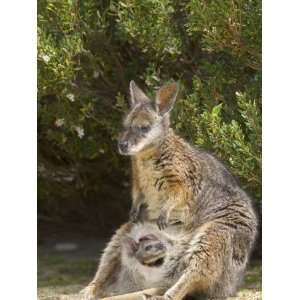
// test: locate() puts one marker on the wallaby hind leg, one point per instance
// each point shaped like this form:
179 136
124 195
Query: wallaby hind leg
186 284
108 266
204 263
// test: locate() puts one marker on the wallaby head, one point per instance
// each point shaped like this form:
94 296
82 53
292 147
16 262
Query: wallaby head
148 250
147 122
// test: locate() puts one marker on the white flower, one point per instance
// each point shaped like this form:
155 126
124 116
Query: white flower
46 58
96 74
71 97
80 131
59 122
238 94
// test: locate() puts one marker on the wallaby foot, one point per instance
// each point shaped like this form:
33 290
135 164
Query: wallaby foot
89 293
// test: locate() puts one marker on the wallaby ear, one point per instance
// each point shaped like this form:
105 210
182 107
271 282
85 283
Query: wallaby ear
136 94
131 245
165 97
148 237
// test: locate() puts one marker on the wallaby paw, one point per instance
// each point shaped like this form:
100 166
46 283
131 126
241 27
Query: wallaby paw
138 214
133 215
162 221
88 293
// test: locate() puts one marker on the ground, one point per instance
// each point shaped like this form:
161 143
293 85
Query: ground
65 268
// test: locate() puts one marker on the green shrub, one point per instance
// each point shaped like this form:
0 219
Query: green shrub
88 51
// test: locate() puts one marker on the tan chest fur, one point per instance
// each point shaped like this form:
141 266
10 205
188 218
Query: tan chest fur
154 197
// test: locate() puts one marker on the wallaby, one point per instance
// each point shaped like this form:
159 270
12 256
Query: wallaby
174 182
142 253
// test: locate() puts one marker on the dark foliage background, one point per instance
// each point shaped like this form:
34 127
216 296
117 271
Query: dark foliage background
88 51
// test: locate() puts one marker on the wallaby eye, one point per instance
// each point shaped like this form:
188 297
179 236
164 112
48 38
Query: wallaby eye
147 248
144 129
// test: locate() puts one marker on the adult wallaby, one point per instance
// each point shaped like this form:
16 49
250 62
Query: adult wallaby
174 182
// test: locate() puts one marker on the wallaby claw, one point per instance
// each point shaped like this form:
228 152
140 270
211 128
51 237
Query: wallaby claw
162 222
133 215
138 214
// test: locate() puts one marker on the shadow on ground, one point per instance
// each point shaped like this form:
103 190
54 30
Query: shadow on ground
65 268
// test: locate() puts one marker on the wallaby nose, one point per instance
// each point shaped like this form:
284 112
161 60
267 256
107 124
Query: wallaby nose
123 146
160 246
